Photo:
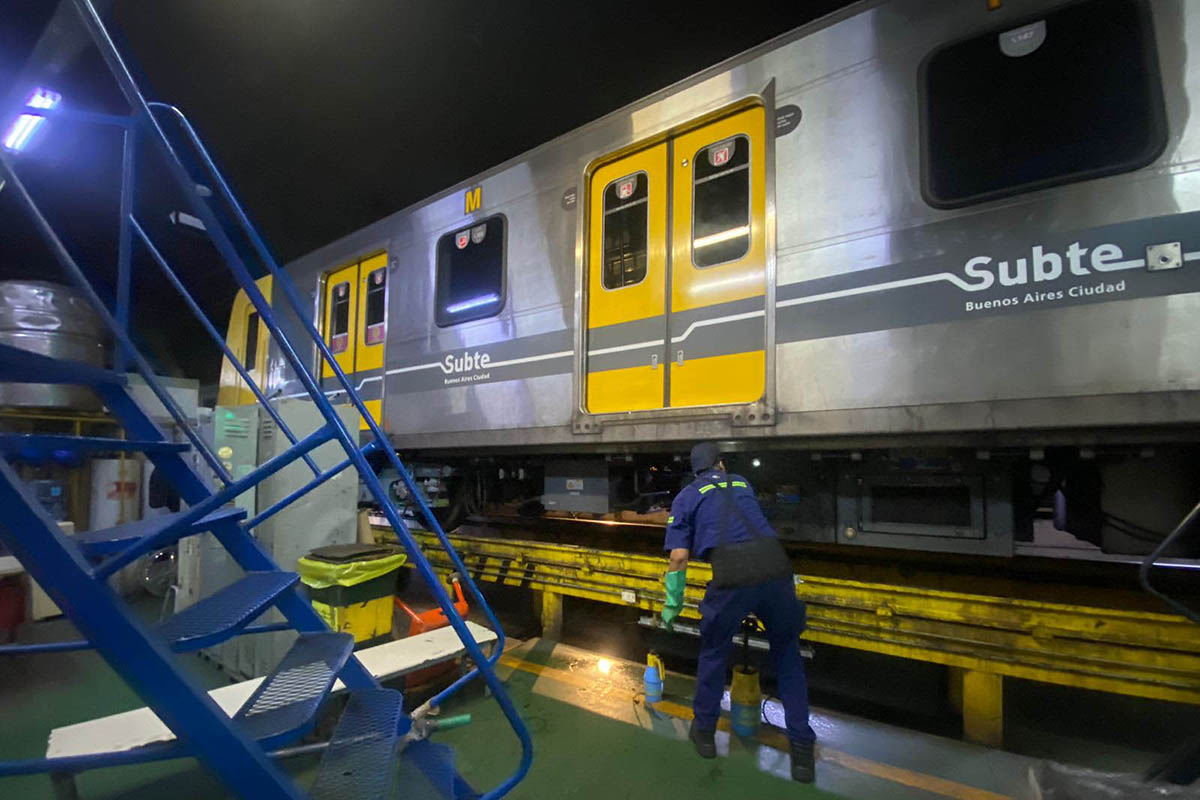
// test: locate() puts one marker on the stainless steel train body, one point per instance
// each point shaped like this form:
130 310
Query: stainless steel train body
926 266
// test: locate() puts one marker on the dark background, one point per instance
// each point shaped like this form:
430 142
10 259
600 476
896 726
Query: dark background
326 116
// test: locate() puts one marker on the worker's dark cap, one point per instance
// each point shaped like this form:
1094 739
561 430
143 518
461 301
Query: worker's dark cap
704 455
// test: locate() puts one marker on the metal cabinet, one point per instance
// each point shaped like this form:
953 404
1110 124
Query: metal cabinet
244 437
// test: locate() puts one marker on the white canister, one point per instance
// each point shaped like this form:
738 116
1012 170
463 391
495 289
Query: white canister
116 492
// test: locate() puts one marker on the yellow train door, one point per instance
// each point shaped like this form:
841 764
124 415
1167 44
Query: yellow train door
355 326
688 329
718 263
371 330
626 300
341 306
371 327
248 339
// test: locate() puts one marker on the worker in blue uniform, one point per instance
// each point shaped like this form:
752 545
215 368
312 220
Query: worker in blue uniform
717 518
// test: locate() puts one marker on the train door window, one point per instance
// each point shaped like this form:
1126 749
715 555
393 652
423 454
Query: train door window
342 317
1070 95
339 318
626 229
721 202
251 342
470 273
376 325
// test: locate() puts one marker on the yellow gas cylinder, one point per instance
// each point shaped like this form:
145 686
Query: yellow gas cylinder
745 701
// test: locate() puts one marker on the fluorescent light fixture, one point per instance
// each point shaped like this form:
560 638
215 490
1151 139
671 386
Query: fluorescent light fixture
44 98
21 132
723 236
474 302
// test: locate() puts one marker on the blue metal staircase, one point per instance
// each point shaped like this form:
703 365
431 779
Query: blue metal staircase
363 758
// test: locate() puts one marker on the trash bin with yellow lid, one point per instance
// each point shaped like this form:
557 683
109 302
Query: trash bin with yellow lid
351 587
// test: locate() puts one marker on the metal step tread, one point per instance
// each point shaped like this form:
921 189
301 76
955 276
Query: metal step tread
221 615
22 366
285 704
106 541
39 445
360 762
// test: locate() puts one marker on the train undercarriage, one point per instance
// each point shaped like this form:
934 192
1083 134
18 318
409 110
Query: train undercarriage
1103 502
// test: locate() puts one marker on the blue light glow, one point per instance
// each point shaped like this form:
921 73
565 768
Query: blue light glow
21 132
474 302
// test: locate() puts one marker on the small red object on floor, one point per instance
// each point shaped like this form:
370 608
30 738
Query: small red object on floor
429 621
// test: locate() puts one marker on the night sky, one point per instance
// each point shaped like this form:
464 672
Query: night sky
326 116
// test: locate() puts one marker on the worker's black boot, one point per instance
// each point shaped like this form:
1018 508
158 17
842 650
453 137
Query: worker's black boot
803 766
705 741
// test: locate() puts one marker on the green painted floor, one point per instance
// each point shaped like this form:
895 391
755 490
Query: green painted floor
593 737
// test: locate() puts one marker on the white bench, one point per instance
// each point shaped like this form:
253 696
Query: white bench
140 727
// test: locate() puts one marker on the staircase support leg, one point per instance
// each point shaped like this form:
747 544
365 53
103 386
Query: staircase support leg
63 785
552 615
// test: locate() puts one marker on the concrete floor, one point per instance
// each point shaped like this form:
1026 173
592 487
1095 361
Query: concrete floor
593 737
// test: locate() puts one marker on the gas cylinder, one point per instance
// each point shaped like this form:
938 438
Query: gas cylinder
745 701
653 678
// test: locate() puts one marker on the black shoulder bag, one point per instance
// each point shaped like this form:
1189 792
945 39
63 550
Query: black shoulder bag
757 560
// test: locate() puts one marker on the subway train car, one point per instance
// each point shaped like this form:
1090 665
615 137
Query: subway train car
928 270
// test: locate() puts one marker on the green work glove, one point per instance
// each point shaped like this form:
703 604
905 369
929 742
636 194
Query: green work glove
675 583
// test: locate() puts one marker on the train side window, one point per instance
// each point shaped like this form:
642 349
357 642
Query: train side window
626 230
251 350
470 272
721 202
376 323
1068 96
339 328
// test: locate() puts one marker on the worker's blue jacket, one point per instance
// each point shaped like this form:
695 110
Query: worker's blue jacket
699 519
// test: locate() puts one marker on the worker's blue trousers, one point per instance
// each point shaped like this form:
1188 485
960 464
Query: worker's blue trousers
722 611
